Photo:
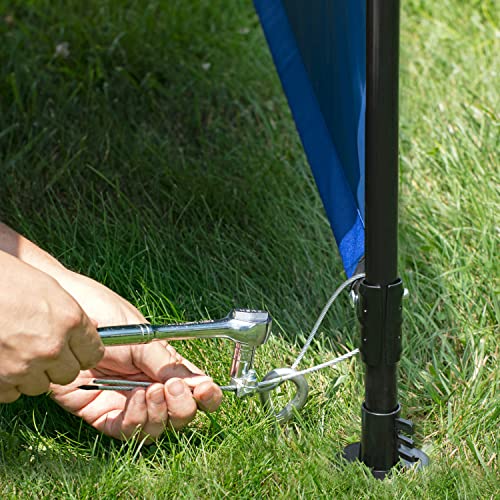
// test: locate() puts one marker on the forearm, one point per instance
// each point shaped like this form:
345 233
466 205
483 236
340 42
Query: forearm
99 302
18 246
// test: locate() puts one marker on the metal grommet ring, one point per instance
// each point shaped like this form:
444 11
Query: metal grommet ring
296 403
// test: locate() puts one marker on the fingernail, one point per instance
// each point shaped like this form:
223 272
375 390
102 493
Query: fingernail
157 396
176 388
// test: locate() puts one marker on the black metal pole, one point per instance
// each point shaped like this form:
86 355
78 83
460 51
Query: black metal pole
381 135
379 448
383 444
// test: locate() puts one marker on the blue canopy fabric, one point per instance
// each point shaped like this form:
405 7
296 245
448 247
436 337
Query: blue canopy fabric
318 48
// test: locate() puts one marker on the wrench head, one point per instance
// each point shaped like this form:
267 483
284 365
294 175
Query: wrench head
250 327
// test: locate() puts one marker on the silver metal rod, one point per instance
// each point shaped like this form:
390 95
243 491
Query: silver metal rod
248 327
108 387
132 383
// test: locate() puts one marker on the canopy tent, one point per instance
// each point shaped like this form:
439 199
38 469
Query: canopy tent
319 51
338 64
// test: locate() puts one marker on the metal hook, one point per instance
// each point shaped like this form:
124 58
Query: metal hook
295 404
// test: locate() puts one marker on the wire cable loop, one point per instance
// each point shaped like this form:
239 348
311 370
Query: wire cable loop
322 315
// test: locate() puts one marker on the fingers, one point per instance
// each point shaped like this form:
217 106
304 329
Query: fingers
173 404
34 385
85 343
186 389
116 415
208 396
180 403
149 412
62 371
157 411
8 393
135 414
67 368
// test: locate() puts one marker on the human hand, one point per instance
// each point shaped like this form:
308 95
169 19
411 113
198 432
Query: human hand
121 414
178 390
98 301
45 336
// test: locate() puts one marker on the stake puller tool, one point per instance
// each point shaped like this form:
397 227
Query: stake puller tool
248 330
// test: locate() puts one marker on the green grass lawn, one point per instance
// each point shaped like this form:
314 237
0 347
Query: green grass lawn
157 155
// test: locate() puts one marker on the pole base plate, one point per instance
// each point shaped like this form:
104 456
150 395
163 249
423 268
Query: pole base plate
408 458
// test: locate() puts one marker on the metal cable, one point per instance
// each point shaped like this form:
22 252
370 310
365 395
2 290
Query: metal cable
321 317
276 381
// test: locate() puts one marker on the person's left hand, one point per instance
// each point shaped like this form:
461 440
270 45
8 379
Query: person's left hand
178 390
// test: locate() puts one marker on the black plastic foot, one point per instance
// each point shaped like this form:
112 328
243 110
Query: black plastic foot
352 452
408 458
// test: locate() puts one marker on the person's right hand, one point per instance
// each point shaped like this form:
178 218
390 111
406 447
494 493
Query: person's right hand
44 334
